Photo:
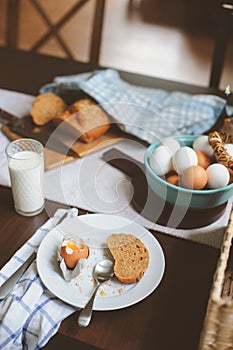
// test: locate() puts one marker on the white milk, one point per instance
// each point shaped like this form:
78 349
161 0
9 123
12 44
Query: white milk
26 173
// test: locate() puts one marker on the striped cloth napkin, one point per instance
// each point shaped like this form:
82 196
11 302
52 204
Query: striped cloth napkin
147 113
30 315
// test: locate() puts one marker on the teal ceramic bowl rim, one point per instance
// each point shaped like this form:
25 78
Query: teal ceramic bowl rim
181 138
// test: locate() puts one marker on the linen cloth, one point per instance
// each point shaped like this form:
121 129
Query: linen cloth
147 113
30 315
93 185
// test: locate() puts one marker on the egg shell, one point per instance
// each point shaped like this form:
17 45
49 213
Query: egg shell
202 144
172 145
203 159
194 177
218 176
72 252
161 160
184 158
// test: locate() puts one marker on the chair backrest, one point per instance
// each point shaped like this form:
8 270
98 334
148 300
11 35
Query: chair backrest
225 25
12 26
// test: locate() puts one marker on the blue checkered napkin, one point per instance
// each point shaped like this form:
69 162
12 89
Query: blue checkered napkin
148 113
30 315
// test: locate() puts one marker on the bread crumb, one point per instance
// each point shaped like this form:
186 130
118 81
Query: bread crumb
102 293
121 290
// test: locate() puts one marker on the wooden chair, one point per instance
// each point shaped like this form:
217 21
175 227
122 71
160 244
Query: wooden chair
222 38
13 9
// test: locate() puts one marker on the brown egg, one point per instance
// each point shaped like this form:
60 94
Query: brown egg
171 172
173 179
203 160
231 175
72 251
194 177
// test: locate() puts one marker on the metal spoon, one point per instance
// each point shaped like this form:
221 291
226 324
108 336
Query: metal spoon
103 272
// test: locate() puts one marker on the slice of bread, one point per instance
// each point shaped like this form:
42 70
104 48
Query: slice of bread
130 255
46 107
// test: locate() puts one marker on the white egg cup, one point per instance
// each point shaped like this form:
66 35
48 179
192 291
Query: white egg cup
70 274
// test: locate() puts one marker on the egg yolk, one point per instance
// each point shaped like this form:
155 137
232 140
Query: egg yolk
72 253
72 246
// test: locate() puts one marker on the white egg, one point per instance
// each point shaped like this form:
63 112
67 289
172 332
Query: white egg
218 176
229 148
161 160
202 144
184 158
172 144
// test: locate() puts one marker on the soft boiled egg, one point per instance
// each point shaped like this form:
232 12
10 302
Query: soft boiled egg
72 252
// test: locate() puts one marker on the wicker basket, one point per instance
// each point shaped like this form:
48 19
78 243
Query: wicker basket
217 332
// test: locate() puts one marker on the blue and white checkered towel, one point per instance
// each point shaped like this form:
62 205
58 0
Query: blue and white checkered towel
148 113
30 315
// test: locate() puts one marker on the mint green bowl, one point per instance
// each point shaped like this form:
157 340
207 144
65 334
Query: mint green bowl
199 199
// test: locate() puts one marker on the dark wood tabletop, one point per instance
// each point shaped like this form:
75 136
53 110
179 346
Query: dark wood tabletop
172 316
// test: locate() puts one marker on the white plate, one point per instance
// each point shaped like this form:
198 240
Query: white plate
93 229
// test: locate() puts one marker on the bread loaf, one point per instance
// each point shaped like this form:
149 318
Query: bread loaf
84 119
46 107
130 255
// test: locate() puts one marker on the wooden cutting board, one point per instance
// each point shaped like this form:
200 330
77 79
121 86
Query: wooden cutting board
54 159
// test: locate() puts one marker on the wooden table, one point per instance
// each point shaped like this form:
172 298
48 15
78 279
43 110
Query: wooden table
172 316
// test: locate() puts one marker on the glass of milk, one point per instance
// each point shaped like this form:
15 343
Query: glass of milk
26 168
